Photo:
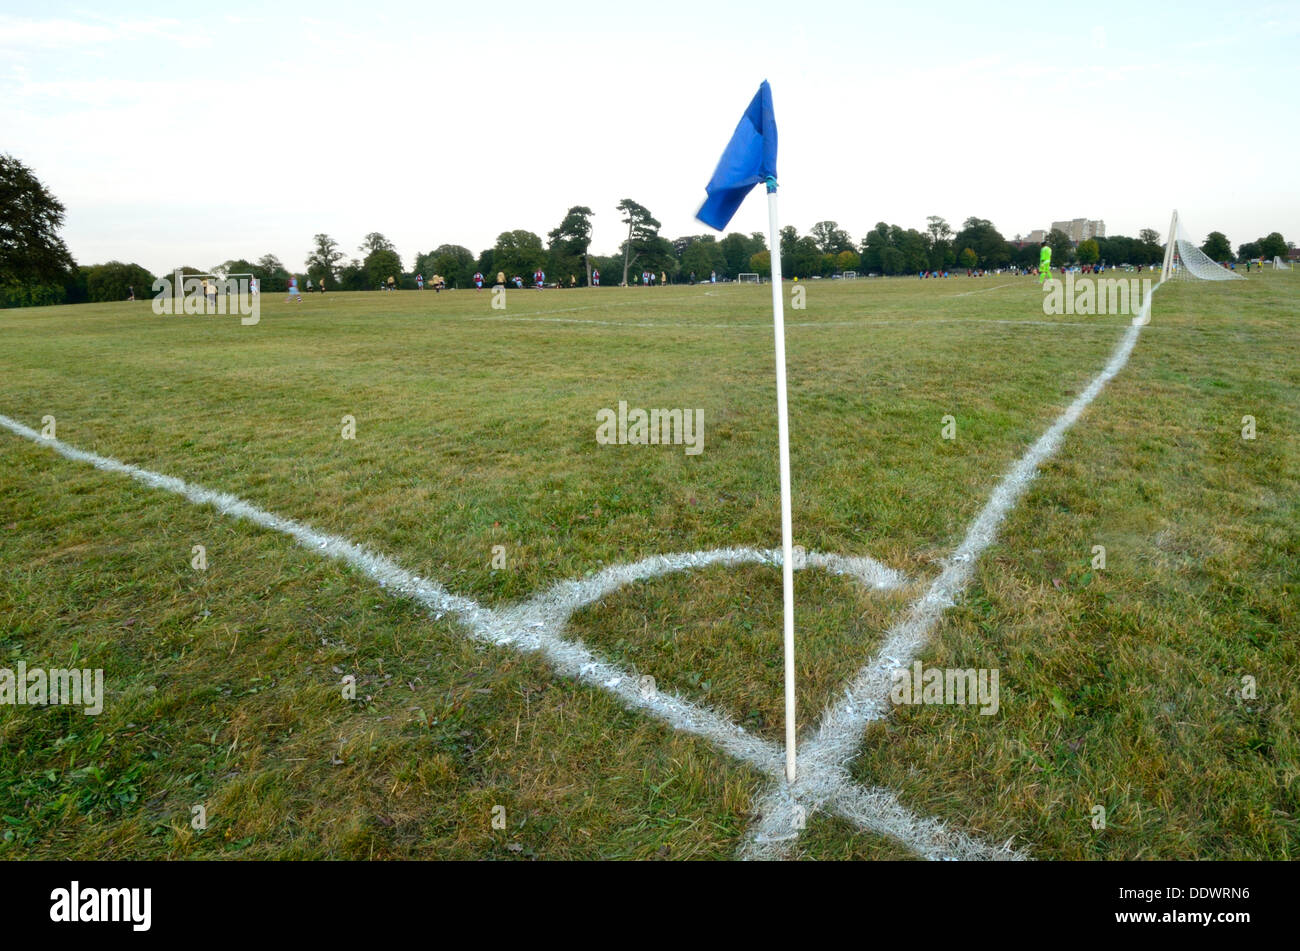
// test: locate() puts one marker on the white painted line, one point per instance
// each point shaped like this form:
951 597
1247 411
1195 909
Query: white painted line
767 325
536 626
824 760
980 290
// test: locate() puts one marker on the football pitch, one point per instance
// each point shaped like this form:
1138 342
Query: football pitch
405 604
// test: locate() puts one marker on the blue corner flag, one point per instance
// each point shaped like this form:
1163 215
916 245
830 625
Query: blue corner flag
750 158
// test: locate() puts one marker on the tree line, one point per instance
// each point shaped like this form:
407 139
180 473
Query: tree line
36 268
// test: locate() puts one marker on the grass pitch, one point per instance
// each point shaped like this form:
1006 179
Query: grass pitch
475 428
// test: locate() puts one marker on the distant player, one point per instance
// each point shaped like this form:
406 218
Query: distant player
419 282
1044 262
539 278
663 278
518 282
595 277
293 291
501 278
478 280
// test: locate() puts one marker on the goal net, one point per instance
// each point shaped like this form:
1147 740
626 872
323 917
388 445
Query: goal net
747 278
1184 261
1279 264
849 276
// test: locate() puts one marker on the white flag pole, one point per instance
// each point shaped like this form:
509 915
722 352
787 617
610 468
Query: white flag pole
783 438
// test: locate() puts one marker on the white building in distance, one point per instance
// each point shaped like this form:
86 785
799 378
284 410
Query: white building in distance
1081 229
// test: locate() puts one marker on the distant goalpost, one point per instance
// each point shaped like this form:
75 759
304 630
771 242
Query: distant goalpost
1184 261
849 276
1279 264
748 278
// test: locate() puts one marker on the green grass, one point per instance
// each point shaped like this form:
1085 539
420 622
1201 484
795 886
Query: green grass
475 431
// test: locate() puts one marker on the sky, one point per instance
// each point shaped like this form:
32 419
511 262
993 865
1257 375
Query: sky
179 135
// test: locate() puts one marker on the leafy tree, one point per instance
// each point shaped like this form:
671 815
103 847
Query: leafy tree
375 242
113 281
914 246
1272 246
352 277
1117 249
805 258
892 261
380 265
874 246
1150 247
847 260
642 234
1061 245
517 252
31 251
991 249
272 275
1248 251
704 255
830 237
1089 252
760 263
968 257
453 262
942 254
571 241
736 251
324 260
1216 246
696 259
938 228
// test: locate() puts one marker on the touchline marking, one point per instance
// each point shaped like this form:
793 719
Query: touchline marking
980 290
823 777
536 626
767 325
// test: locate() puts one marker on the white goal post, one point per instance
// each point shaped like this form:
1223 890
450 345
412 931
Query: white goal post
747 278
1279 264
1184 261
849 276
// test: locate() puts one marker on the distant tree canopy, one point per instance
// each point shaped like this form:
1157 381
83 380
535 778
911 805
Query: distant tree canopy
323 262
381 264
570 243
1268 247
830 238
517 252
115 281
1062 247
35 265
36 268
1217 246
453 263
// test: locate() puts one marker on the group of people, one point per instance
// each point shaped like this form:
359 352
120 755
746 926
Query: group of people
438 283
293 288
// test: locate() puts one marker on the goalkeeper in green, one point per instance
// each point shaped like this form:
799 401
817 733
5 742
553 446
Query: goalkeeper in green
1044 262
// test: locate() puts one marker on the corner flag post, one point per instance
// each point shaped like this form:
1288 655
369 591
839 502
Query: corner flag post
783 440
750 158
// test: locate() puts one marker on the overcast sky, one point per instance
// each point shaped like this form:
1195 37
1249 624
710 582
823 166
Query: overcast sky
178 136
